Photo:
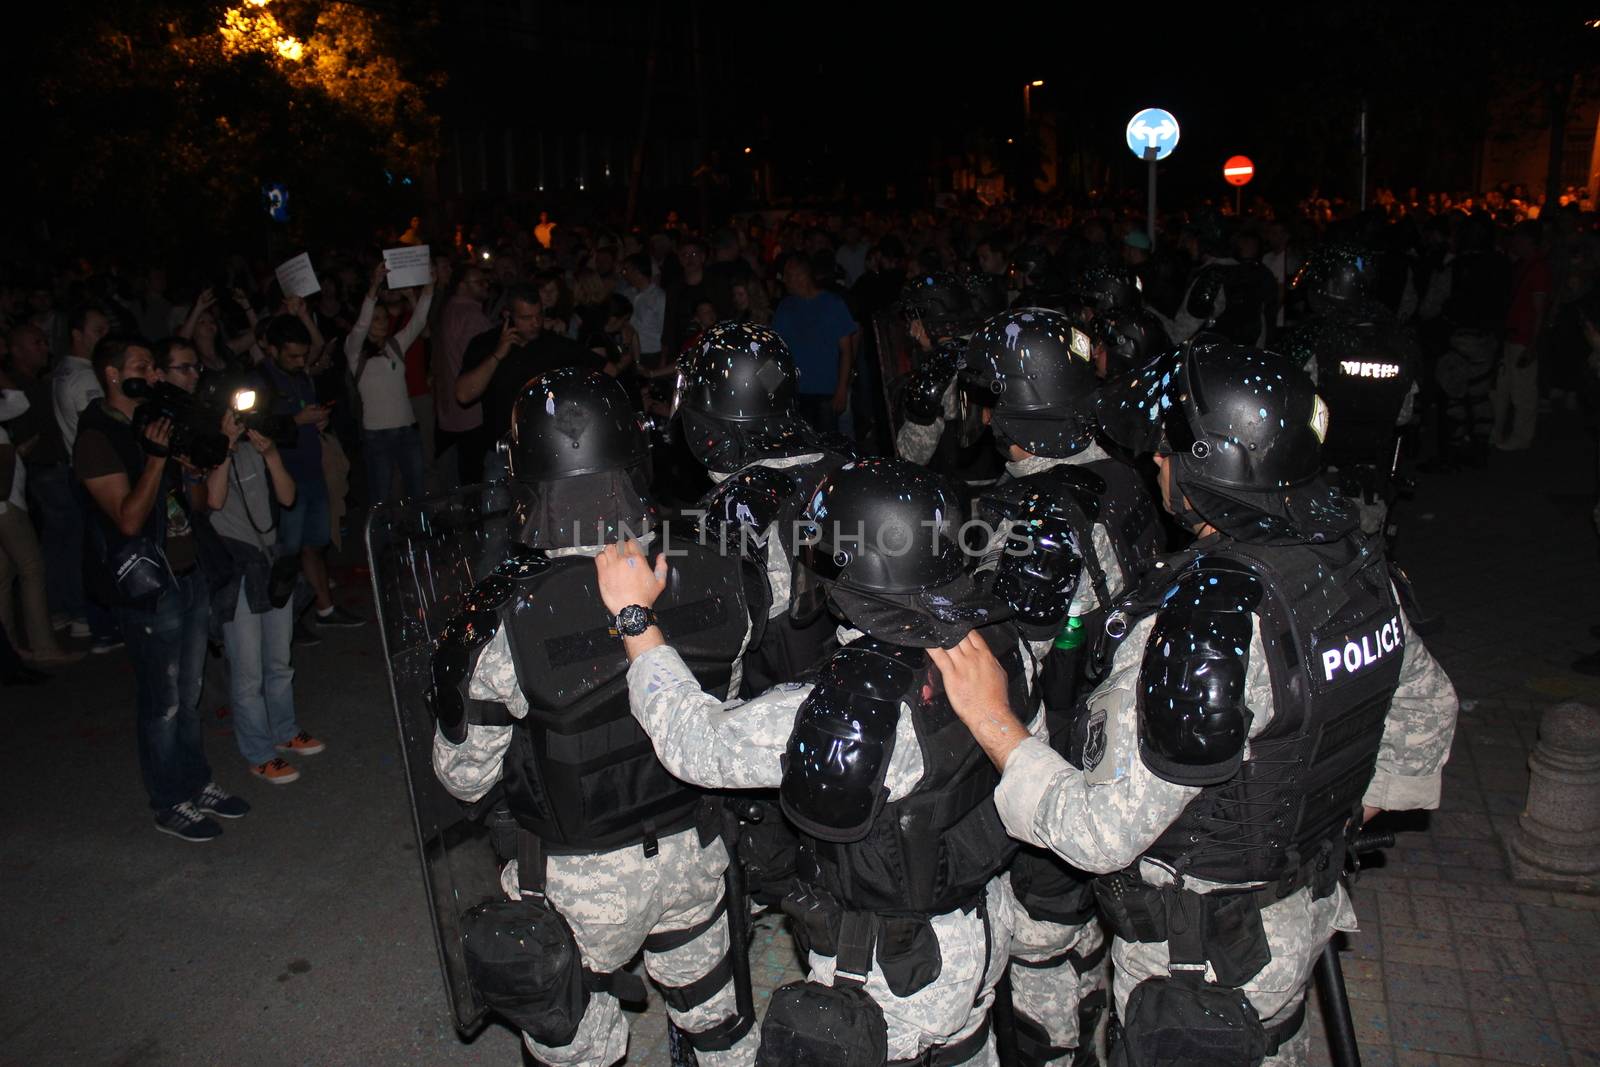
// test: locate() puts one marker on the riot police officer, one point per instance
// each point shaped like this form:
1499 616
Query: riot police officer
1364 364
1231 292
613 854
939 430
735 404
1088 524
1268 696
1101 288
1127 338
897 900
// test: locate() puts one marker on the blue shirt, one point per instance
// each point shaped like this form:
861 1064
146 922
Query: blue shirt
813 328
292 394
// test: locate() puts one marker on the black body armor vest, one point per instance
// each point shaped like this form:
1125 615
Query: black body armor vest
932 850
1334 638
1366 364
581 774
741 514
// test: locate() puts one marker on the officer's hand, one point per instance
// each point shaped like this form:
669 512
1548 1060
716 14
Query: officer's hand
626 576
976 685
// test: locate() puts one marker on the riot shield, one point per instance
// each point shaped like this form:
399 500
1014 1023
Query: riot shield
425 556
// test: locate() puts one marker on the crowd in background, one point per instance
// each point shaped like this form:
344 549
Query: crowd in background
396 392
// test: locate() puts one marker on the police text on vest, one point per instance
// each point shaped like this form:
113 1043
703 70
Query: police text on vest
1357 656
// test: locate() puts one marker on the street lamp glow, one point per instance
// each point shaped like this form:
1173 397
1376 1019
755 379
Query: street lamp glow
747 150
1036 84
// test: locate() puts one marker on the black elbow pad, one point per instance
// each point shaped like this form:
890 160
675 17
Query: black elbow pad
455 657
1193 721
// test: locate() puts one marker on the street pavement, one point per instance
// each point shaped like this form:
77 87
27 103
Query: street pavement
301 936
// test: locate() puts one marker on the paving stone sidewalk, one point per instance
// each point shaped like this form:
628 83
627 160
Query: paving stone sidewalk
1454 965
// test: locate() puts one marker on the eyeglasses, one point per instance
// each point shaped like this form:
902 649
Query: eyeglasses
184 368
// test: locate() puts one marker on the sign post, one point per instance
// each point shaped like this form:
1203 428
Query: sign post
1237 172
1152 134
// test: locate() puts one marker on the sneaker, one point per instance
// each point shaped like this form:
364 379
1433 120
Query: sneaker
79 628
305 635
303 743
339 617
102 645
276 771
213 801
185 821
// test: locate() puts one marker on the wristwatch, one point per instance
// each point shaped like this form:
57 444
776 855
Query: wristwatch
633 620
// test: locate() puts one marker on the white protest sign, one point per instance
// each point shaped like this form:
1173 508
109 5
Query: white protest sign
297 278
408 265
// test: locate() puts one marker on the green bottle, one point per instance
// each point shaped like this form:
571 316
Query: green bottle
1071 636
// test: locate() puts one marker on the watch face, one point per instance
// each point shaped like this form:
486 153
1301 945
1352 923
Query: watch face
633 620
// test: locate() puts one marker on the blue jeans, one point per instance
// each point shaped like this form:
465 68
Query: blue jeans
262 691
307 524
52 502
168 647
387 449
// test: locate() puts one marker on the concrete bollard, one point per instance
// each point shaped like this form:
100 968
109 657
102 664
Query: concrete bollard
1556 842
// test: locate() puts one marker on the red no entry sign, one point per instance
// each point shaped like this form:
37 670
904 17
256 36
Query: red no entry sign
1238 170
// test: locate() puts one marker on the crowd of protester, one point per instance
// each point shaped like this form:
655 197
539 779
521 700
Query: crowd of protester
414 386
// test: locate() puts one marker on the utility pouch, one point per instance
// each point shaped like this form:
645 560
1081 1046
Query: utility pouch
813 1025
1185 1022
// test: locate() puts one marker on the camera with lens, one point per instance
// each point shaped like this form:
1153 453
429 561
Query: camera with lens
250 404
196 427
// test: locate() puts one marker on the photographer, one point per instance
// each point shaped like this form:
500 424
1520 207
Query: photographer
255 605
141 561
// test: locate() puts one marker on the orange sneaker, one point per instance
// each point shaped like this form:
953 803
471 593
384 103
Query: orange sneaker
303 744
277 771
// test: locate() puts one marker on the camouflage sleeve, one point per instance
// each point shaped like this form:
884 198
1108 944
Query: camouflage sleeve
917 442
494 677
1417 735
780 575
700 739
1102 817
470 769
1085 600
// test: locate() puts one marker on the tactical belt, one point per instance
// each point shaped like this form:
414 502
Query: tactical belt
1143 916
852 963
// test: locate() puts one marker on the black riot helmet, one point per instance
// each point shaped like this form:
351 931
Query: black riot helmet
578 461
568 422
1336 274
1129 338
1034 367
1030 264
879 540
735 397
1106 287
1242 429
944 303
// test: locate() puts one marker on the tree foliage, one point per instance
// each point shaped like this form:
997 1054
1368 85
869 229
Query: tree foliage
156 124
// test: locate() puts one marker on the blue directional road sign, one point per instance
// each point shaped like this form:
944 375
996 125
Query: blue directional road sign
1153 128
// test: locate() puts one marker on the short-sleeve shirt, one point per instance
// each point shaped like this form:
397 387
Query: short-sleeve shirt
94 456
812 328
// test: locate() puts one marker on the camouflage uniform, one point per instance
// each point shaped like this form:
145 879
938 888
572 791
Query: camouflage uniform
1051 995
737 745
1104 818
611 900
